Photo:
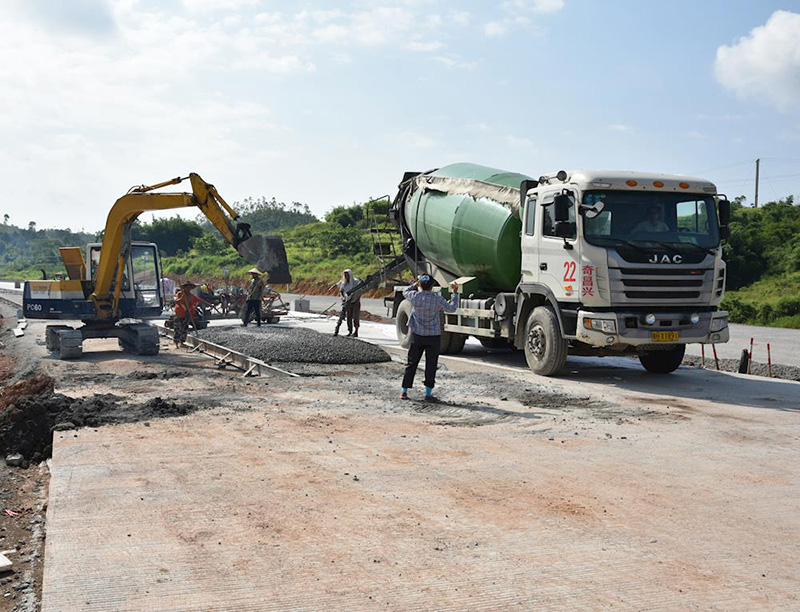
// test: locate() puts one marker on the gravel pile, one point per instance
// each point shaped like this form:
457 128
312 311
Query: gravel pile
757 369
293 344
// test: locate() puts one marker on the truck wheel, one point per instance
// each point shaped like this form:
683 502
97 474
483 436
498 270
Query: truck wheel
663 362
457 342
401 324
545 348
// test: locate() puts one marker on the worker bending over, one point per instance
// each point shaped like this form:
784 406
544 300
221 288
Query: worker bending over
352 308
255 291
426 331
187 307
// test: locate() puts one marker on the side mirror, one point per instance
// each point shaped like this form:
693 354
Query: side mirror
524 188
724 232
564 229
724 207
562 204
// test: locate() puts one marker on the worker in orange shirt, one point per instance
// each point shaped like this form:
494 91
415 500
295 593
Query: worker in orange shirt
187 306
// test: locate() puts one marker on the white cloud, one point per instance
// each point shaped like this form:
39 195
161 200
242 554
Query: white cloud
208 6
620 127
433 45
765 64
495 28
518 14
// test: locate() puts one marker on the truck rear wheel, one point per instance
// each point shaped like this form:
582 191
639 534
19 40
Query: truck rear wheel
545 348
663 362
457 342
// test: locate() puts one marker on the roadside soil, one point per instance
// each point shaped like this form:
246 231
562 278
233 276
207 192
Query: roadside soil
23 498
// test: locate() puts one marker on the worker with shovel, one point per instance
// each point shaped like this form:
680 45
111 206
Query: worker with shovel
351 306
187 306
255 291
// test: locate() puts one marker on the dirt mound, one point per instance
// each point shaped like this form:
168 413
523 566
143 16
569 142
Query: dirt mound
294 344
32 387
27 424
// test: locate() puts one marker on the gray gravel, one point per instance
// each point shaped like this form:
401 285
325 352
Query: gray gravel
757 369
294 345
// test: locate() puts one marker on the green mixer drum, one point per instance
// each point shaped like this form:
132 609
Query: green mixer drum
468 236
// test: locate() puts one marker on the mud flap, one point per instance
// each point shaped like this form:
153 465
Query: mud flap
268 254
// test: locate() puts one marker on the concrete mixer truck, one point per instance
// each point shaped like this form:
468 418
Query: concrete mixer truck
581 262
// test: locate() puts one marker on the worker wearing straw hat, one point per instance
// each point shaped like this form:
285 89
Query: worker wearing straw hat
255 289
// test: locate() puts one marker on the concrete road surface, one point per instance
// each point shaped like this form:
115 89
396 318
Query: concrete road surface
607 488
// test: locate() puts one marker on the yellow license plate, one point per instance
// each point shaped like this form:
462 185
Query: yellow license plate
664 336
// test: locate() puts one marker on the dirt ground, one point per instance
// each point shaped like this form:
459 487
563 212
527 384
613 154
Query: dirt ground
594 491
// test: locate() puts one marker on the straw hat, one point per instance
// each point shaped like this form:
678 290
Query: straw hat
254 271
188 283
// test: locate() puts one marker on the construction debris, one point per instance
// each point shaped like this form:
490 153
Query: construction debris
294 345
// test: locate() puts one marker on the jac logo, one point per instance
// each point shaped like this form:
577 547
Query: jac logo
655 258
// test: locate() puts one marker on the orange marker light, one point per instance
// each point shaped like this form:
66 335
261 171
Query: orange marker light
683 185
658 184
631 183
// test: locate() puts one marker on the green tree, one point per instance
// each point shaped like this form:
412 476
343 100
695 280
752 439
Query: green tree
171 235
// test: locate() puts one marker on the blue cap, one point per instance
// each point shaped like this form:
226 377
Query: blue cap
425 278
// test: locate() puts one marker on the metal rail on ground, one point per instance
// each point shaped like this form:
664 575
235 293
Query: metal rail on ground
225 356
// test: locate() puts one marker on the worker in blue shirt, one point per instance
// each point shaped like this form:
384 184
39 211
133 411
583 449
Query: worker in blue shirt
426 331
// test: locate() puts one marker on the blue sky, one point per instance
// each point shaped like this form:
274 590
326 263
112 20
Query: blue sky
329 103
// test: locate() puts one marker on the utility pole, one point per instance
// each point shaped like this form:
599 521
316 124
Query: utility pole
758 164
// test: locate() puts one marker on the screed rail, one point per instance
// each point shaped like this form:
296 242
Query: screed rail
225 356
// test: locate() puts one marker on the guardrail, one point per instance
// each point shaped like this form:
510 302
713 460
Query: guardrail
225 356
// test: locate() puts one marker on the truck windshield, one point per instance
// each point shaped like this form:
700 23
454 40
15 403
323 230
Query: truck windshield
679 219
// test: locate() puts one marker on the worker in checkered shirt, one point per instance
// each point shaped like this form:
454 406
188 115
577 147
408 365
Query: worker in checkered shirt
426 331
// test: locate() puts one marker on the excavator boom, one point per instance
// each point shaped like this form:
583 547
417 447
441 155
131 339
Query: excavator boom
266 252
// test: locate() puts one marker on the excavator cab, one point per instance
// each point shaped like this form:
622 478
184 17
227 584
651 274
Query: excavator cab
142 295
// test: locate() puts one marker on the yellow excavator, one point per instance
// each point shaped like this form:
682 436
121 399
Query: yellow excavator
117 285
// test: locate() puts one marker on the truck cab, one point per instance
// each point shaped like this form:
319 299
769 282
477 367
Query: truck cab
626 262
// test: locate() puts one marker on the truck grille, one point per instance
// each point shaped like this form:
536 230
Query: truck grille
647 284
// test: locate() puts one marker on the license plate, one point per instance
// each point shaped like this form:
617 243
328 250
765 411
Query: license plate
664 336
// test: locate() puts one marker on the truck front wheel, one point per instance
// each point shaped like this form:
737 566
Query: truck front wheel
545 348
663 362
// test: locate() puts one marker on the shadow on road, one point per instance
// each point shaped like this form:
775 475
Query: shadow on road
687 382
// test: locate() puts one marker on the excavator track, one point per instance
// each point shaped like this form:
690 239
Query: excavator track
139 339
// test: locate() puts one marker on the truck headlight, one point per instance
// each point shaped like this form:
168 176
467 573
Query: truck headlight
604 325
719 324
695 319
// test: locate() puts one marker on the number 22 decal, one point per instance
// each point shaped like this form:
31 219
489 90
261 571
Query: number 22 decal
569 271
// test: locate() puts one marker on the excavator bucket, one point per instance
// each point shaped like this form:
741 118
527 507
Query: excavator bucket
268 254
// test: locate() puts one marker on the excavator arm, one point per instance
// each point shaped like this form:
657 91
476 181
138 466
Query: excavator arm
263 252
